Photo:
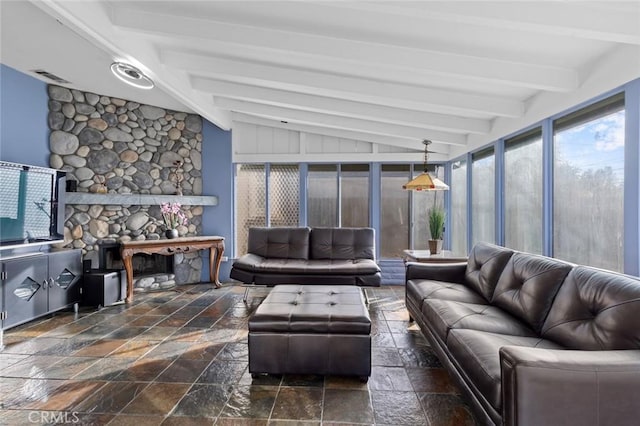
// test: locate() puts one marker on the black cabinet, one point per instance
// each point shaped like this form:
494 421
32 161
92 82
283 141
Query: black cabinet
38 284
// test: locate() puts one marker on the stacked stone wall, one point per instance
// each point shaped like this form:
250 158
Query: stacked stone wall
111 145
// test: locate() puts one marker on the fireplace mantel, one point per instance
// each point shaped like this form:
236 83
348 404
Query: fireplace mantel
139 199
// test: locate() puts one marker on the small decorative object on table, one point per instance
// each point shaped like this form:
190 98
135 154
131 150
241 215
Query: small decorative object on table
436 227
177 176
173 217
171 233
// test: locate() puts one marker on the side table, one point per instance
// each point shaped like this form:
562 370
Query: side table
425 256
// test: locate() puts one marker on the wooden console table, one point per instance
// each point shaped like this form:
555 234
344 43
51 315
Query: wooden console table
170 247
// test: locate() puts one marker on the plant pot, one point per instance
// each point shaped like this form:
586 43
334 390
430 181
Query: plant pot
171 233
435 246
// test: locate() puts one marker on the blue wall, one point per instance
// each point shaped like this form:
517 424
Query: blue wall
24 133
217 179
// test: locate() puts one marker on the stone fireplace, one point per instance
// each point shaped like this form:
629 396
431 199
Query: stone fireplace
149 270
143 264
117 151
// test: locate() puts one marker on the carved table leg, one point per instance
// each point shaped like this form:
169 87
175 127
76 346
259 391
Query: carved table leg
128 267
215 253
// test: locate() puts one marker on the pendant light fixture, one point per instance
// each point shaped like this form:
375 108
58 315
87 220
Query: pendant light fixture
424 181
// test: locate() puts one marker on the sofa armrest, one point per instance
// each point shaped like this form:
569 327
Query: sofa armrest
560 387
449 272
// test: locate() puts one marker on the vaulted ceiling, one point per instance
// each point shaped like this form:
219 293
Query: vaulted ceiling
388 72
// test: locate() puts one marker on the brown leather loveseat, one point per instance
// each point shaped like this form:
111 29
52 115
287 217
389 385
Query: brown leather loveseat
303 255
533 340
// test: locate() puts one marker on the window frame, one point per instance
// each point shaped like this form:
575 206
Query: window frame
479 155
536 131
592 111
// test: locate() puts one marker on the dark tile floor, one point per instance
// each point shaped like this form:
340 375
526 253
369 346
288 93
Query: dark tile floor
179 357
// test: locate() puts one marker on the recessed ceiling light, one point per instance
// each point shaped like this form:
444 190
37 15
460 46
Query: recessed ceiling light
131 75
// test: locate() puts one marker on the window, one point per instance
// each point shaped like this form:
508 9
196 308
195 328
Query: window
338 195
483 212
394 206
588 175
354 195
251 199
404 214
523 192
422 202
459 208
250 202
284 195
322 195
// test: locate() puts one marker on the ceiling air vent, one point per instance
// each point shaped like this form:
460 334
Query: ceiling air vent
51 77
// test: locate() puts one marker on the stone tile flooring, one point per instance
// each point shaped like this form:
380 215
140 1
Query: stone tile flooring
179 357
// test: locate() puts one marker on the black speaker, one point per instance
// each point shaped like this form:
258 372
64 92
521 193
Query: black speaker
86 266
103 288
71 185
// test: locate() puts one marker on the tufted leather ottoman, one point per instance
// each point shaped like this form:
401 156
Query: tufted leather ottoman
314 329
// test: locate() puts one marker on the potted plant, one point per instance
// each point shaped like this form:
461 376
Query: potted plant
173 217
436 227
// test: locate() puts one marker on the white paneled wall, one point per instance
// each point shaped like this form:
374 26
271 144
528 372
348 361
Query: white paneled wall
321 144
252 139
254 143
394 149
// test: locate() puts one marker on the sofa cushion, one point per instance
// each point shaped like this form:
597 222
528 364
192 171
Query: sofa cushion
419 290
486 262
312 309
438 271
445 315
343 243
259 264
527 286
595 310
279 243
477 355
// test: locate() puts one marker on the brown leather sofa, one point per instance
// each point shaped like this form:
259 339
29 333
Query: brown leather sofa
302 255
533 340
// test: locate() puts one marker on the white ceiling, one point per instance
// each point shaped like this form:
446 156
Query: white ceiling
392 72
